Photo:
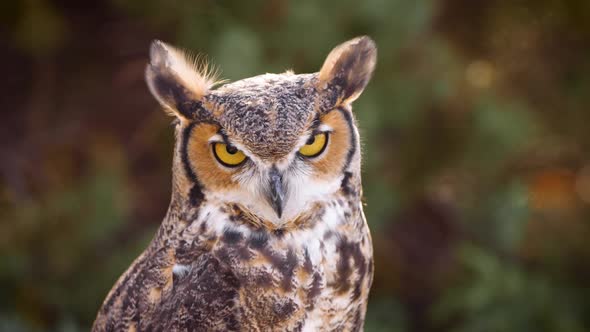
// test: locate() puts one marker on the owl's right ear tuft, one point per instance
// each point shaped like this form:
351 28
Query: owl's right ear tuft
347 70
178 81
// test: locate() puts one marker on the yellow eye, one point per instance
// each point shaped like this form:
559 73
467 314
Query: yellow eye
228 155
315 145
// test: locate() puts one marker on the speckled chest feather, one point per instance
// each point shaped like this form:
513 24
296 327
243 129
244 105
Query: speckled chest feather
221 272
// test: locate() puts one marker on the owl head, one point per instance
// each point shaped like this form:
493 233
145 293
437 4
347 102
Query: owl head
274 144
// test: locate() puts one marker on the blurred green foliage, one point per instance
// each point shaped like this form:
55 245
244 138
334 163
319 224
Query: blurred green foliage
475 128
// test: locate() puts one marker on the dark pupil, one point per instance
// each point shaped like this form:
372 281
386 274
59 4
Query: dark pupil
310 140
231 149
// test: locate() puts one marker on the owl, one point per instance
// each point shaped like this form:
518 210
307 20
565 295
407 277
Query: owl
265 230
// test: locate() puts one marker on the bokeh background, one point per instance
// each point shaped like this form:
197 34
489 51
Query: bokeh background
476 135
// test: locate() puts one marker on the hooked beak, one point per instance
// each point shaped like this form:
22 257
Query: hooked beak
276 192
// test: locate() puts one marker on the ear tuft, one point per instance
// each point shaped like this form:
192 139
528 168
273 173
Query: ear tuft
178 80
347 70
158 53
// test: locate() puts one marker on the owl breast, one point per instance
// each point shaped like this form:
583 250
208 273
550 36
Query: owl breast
312 277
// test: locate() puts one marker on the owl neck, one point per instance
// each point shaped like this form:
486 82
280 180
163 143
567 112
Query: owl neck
190 207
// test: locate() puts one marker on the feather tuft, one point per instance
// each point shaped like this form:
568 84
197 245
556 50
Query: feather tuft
193 70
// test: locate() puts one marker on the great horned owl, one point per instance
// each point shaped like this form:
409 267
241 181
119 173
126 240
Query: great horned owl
265 229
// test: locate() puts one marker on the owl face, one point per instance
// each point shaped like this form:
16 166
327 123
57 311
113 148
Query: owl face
273 144
278 187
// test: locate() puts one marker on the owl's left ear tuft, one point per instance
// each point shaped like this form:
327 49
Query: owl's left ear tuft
178 81
347 70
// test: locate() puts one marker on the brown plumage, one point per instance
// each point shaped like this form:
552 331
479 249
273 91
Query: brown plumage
265 229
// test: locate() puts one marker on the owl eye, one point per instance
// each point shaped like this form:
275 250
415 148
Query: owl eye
228 155
315 145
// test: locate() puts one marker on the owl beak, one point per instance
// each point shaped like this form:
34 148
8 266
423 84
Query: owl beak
276 194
